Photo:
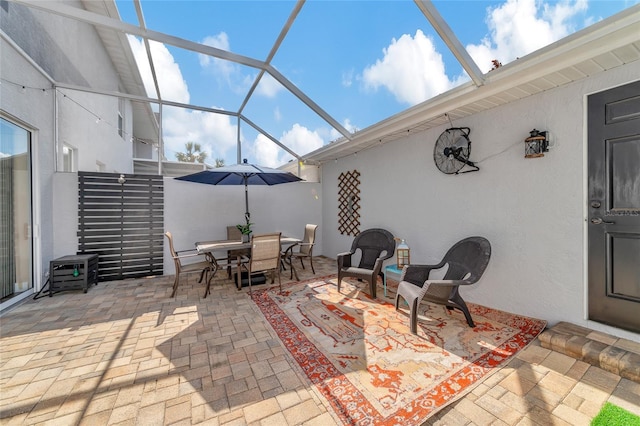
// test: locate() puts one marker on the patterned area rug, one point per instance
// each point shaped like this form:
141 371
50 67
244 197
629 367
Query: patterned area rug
363 359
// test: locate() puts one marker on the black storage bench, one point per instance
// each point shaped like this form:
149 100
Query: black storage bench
73 272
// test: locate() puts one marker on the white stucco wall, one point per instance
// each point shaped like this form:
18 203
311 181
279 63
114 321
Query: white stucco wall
60 47
32 109
94 135
198 212
65 214
531 210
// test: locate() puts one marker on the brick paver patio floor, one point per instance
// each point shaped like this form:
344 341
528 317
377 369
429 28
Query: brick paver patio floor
127 353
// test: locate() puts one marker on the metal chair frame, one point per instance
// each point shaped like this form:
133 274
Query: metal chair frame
305 248
202 266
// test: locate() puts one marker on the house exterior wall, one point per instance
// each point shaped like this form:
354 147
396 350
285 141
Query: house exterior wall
531 210
71 52
98 145
65 214
32 109
144 150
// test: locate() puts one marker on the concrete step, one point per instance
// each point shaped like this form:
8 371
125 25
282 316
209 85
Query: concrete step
613 354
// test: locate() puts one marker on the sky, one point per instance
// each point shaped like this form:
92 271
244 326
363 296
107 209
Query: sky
359 61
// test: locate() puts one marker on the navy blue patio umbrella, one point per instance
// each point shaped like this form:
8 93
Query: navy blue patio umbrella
242 174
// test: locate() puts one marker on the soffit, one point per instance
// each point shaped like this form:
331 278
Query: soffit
145 125
118 48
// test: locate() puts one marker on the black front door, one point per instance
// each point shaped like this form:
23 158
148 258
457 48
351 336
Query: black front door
614 206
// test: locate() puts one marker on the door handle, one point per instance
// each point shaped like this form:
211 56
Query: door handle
598 221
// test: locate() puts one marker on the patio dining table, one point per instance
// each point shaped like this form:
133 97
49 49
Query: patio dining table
211 247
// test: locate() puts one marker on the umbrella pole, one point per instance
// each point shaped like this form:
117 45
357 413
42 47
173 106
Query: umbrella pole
247 215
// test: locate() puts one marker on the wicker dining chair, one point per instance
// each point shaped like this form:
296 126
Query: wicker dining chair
203 266
376 245
466 261
302 250
264 257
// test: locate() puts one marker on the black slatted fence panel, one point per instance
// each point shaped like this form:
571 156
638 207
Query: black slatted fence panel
122 223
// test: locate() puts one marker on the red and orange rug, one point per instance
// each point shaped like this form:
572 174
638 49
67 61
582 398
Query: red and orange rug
362 358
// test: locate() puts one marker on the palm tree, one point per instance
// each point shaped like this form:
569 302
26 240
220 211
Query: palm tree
219 162
194 153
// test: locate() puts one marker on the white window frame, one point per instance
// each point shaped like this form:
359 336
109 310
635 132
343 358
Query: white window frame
69 158
121 106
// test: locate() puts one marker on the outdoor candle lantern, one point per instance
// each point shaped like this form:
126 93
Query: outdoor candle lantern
402 254
536 144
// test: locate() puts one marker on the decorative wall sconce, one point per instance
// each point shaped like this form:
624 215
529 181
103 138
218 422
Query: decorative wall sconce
536 144
403 254
121 180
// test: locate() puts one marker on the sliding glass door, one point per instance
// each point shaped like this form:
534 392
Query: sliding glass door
15 210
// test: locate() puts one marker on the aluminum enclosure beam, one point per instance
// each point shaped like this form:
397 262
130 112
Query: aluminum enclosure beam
117 25
271 138
273 51
450 39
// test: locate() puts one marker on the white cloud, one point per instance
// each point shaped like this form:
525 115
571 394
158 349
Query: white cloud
299 139
172 85
411 69
519 27
214 132
223 69
230 73
268 86
225 73
561 13
350 126
220 41
335 135
266 152
347 78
